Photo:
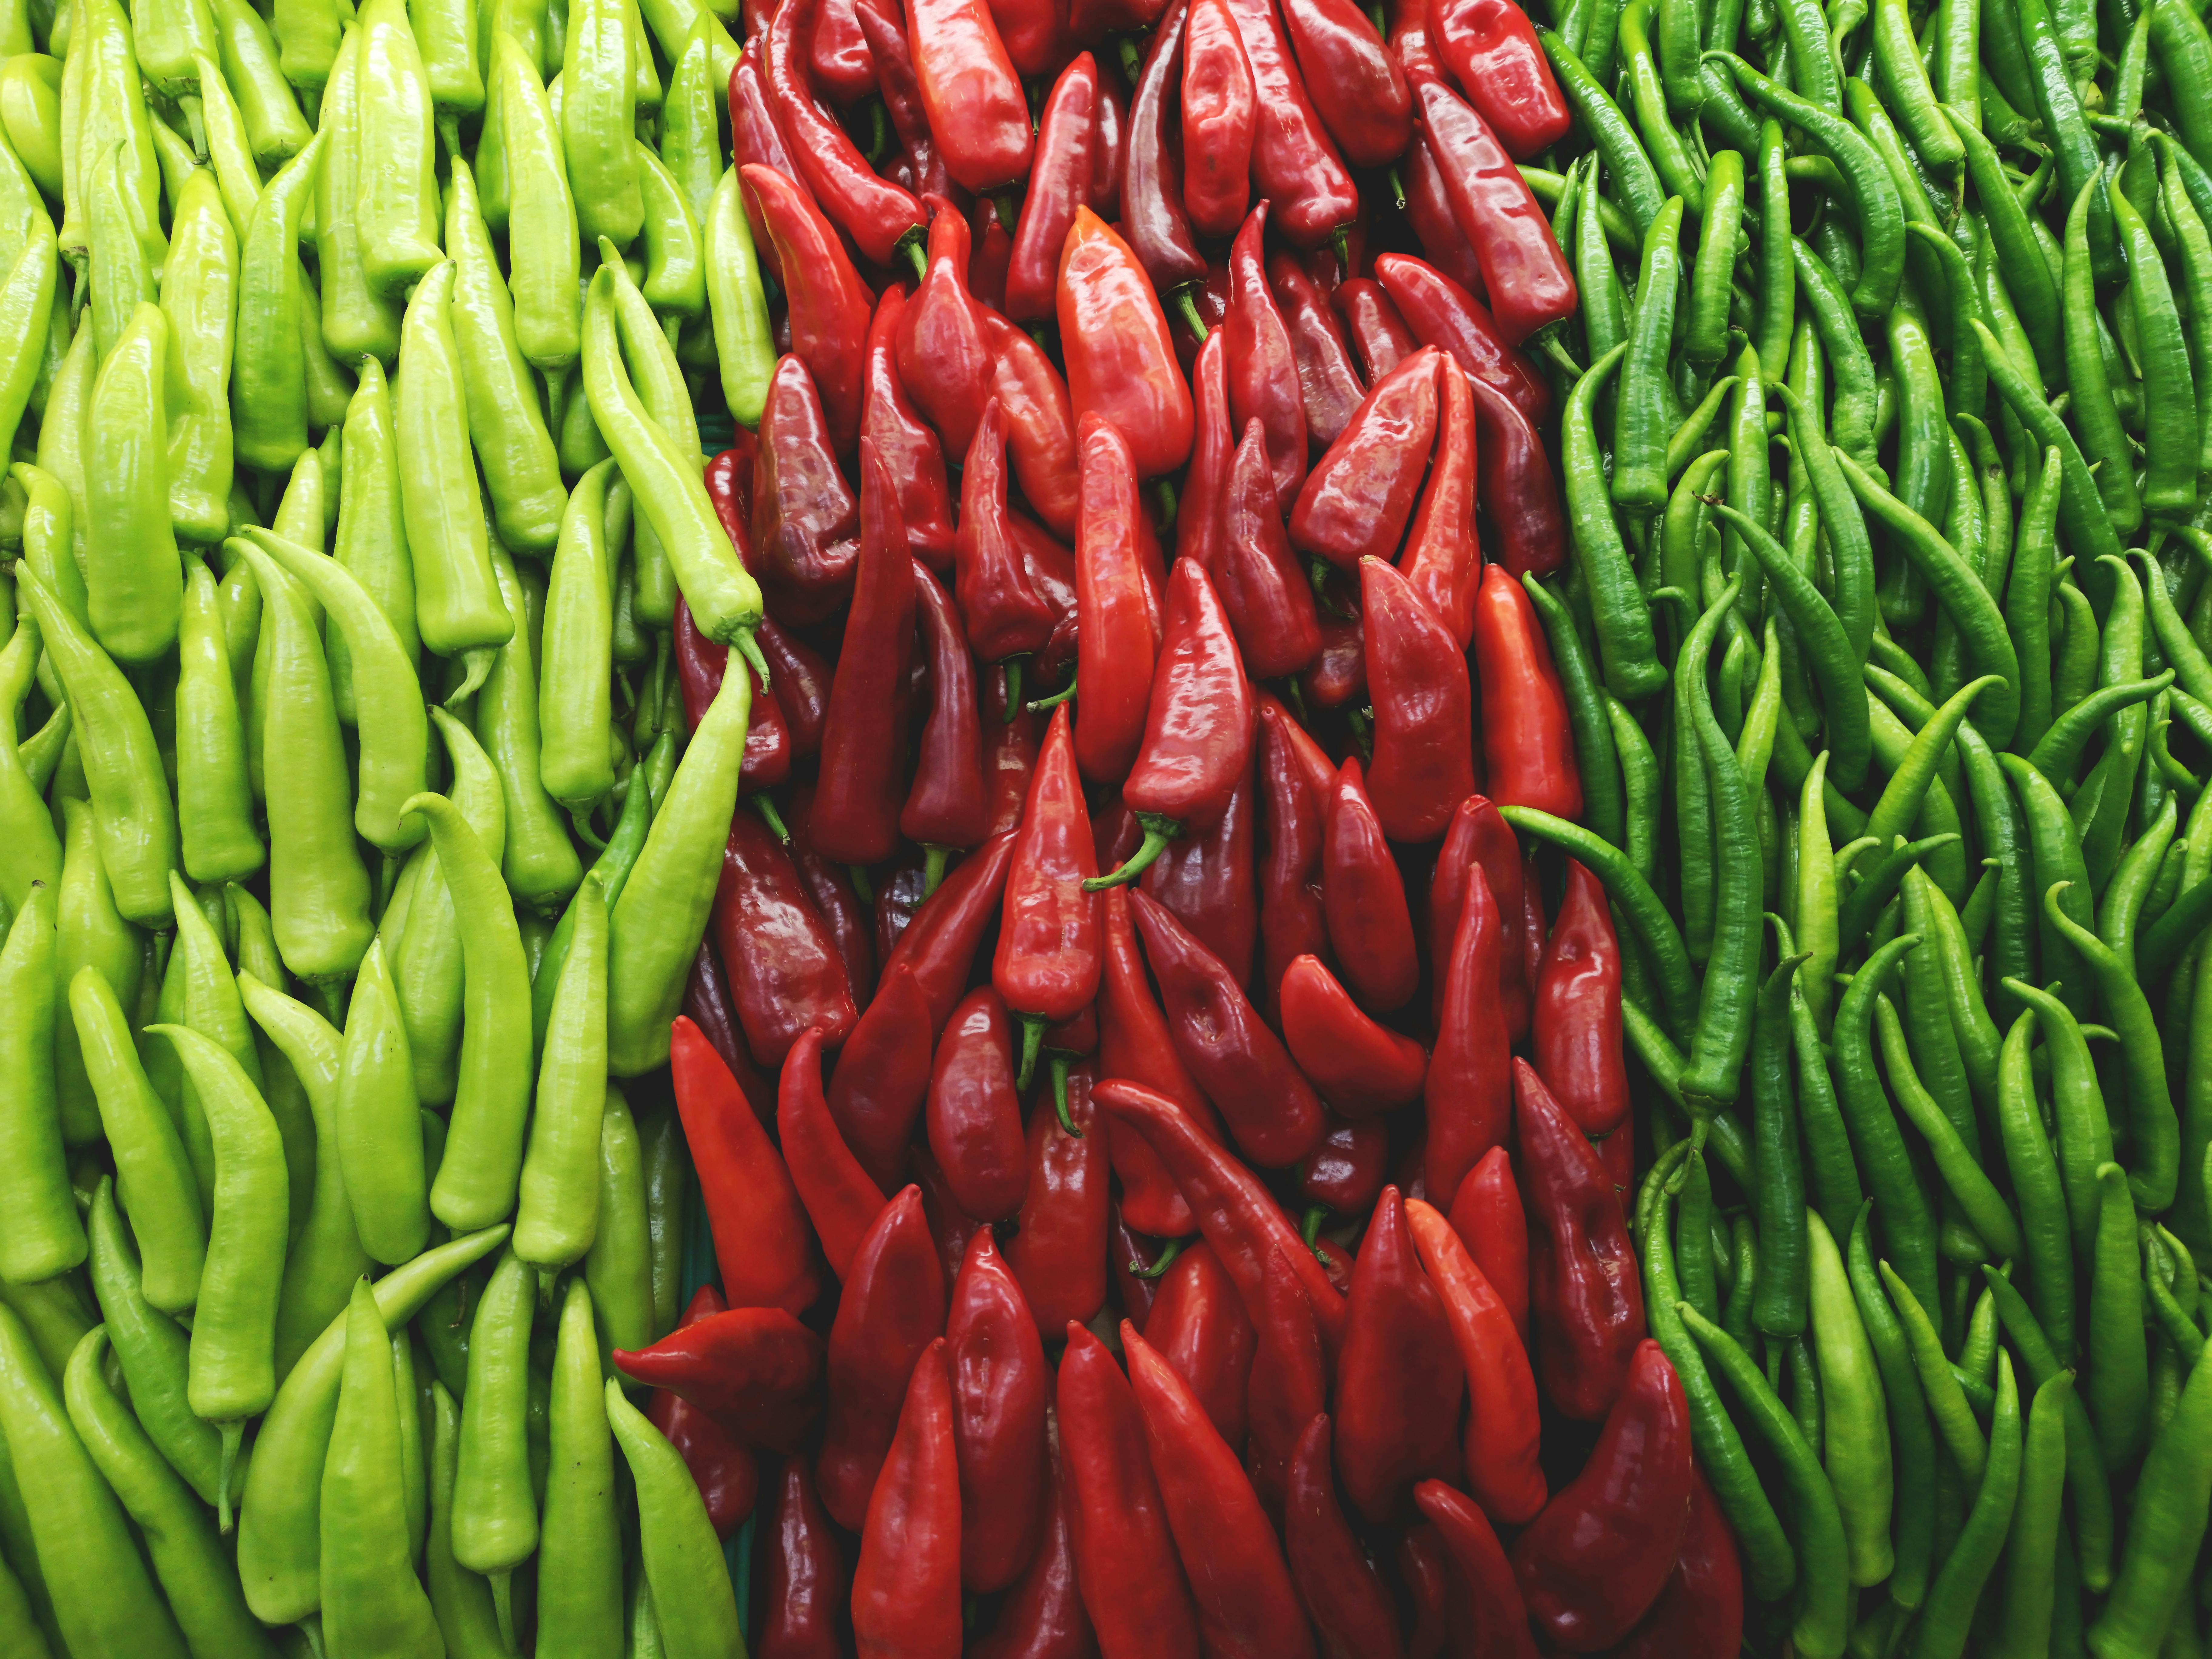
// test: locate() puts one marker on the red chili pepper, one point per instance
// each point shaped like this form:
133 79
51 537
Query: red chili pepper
994 251
1153 217
1001 610
1058 183
1133 1043
1397 1378
1117 644
784 974
1293 775
924 172
950 1227
940 944
1129 1256
1479 834
1337 677
1009 736
1237 1215
1355 1616
975 1117
804 546
946 810
1528 746
892 1309
1294 164
724 1469
1199 1327
707 1005
1119 361
838 59
729 476
906 1590
881 218
1469 1088
1051 570
840 1200
1001 1385
1035 34
1125 1561
1201 515
1594 1562
1428 213
1524 270
1205 877
756 139
770 1260
755 1370
1326 379
863 774
1441 560
1487 1615
1263 371
1441 313
1109 147
1576 1013
1289 1378
1700 1615
802 1570
1058 1251
1240 1581
1042 1617
1409 37
700 664
1355 82
1220 112
1372 324
1519 494
1047 966
971 90
1504 1431
1585 1296
881 1077
1271 1111
1487 1216
829 888
1494 55
943 360
1359 1067
1425 1569
1424 733
1345 1173
1264 593
801 678
1040 423
1617 1152
1535 930
1365 898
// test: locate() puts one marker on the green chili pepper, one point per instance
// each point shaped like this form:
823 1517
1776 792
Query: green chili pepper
44 1236
207 1001
560 1187
1976 1196
539 861
576 664
461 1599
1640 426
744 340
398 203
694 1605
215 804
580 1573
619 1267
357 321
269 373
494 1525
380 1140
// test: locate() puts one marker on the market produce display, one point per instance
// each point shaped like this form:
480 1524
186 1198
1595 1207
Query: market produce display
1105 828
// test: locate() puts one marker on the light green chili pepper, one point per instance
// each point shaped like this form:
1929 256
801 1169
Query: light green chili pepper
132 575
619 1268
26 820
744 337
398 191
544 252
558 1214
251 66
599 107
357 321
43 1237
379 1137
495 1507
268 373
207 1002
461 1599
579 1559
199 294
675 277
576 658
370 541
696 1607
539 861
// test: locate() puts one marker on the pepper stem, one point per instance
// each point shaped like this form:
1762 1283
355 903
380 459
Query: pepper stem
770 817
1046 705
1032 1041
1167 505
910 247
862 884
749 647
311 1628
1397 189
1558 354
1174 1249
233 1436
879 130
1007 206
1013 667
1133 61
1309 1230
1187 308
1158 832
933 867
502 1607
1058 1063
476 669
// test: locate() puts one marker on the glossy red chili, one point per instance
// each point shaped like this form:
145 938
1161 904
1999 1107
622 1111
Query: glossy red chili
707 1005
1153 217
1594 1562
1424 1570
1365 898
1397 1378
992 254
840 1200
1266 595
1035 34
1040 423
1700 1615
1354 1615
1344 1174
1294 164
1043 1617
1118 643
946 810
1205 877
940 943
1371 323
1237 1215
755 1370
912 455
1441 313
838 56
1046 965
1058 1250
1058 183
804 1573
920 169
882 1076
1487 1214
1115 338
804 546
1201 513
906 1590
879 215
1355 81
1424 732
970 88
1504 1429
1110 146
700 664
1428 213
973 1116
1327 379
1487 1615
1295 779
1469 1088
1199 1325
862 782
1528 744
1126 1560
1359 1067
784 974
756 139
801 678
1479 834
1524 270
943 358
1289 1378
950 1227
1220 113
836 900
725 1469
1000 1386
1575 1017
1133 1043
770 1262
1441 560
1001 610
1493 53
1263 371
1520 495
1238 1578
1010 736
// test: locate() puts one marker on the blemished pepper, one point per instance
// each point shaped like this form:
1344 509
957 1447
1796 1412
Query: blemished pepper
1576 1018
1528 750
1000 1389
1359 496
1220 115
1115 336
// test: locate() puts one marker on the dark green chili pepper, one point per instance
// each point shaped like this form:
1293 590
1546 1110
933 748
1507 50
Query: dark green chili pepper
1595 759
1907 1223
1705 338
1947 1615
1634 178
1640 428
2154 1131
1779 1309
1627 647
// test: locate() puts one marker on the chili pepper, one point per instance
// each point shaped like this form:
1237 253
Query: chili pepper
1578 1009
701 665
693 1603
1487 1216
881 1077
1058 182
1365 899
1699 1613
1494 55
756 139
1327 380
1043 1616
495 1523
1359 1067
906 1590
1378 333
806 1597
1518 492
840 1200
974 1114
971 93
1487 1606
1263 371
1423 764
1206 879
1155 220
1289 1377
910 451
1294 163
1040 423
1357 499
864 737
1340 1590
1000 606
1219 115
804 519
1424 1573
1297 779
881 218
725 1468
1429 211
1527 745
1046 965
943 359
1266 597
1199 1325
1119 361
1524 268
1134 1043
1593 1563
999 1387
941 943
830 307
1058 1251
1441 313
782 962
1126 1560
1238 1218
1398 1379
1116 646
918 164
